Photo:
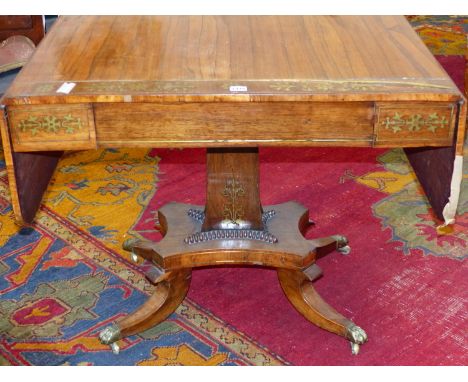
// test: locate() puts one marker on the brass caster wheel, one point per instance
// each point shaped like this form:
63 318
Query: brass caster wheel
346 250
342 244
109 336
354 348
128 246
357 336
115 348
134 258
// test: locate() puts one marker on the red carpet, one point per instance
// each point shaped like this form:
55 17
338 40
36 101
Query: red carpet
412 307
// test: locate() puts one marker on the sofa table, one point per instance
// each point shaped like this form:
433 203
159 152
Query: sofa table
232 84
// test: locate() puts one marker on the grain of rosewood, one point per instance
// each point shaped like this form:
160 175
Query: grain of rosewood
226 48
225 81
233 195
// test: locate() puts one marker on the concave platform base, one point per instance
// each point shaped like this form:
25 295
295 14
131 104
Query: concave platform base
290 253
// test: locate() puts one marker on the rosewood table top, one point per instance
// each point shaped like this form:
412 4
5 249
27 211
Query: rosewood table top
149 58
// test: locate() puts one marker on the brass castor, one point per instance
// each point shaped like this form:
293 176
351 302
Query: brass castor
342 244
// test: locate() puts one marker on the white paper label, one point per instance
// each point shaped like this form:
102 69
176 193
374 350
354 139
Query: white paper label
66 87
237 88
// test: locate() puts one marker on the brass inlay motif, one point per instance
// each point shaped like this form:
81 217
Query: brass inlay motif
50 124
233 209
415 122
433 122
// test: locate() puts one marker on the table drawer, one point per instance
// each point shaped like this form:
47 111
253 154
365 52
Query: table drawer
235 124
52 127
420 124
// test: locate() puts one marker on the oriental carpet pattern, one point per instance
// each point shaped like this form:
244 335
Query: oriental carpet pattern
66 277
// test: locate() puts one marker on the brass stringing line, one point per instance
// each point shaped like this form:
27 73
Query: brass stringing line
270 82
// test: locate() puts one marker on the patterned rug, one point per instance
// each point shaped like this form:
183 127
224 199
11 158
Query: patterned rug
66 277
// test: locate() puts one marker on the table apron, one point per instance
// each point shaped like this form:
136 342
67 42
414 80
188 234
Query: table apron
87 126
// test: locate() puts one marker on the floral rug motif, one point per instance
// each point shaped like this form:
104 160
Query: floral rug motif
443 35
101 181
407 213
58 276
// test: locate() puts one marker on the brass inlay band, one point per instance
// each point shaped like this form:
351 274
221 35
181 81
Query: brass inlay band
273 86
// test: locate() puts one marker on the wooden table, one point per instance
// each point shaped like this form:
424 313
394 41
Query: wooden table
232 84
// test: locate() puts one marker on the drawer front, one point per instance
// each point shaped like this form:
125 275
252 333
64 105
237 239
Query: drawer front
235 124
410 125
54 127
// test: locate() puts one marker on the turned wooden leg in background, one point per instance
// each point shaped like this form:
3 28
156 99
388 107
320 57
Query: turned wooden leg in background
167 296
299 290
